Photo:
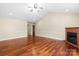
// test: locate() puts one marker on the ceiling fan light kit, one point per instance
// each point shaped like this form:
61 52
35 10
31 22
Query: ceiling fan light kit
35 7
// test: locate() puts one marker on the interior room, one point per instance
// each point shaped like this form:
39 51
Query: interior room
39 29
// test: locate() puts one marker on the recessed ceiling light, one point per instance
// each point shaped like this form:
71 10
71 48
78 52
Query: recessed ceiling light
66 10
10 13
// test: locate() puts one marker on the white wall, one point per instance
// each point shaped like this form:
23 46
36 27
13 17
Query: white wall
12 28
54 24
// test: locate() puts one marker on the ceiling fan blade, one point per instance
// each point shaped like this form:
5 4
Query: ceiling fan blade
38 11
29 7
41 7
31 10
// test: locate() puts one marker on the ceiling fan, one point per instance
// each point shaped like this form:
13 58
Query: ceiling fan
35 7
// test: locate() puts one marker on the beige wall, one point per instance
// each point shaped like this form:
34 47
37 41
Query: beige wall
12 28
54 24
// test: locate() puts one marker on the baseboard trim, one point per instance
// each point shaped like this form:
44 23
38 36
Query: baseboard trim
50 37
11 38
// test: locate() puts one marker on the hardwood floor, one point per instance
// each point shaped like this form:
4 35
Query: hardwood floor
38 46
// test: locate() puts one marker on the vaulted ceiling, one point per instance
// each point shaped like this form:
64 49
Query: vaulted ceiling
22 10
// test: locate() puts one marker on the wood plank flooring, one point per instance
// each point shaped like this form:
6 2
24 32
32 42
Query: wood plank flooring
38 46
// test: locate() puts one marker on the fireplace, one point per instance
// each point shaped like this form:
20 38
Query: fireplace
72 36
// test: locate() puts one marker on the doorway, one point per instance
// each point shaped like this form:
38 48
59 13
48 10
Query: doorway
31 29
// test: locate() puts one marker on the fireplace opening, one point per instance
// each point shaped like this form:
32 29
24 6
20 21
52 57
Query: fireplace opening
72 37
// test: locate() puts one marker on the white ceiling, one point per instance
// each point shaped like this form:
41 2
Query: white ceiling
21 10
